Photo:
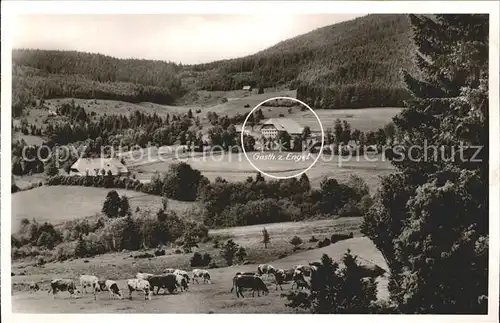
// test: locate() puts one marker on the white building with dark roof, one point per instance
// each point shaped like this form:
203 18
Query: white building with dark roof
272 127
94 167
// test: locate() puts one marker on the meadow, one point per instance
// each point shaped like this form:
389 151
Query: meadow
75 203
369 119
235 167
201 298
79 202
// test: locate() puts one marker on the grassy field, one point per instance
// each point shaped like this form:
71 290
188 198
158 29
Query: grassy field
57 204
362 119
235 167
200 298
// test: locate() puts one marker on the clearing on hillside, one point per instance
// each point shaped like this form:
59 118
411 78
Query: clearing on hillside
56 204
235 167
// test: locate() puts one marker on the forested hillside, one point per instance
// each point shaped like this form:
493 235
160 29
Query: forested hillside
355 63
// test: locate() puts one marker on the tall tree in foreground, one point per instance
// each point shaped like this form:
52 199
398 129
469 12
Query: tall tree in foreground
430 220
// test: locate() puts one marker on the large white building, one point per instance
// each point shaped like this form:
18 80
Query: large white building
272 127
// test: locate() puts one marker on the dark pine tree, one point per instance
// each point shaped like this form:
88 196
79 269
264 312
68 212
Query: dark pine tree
111 205
430 220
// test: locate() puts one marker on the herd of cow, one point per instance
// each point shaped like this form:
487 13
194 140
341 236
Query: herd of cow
172 280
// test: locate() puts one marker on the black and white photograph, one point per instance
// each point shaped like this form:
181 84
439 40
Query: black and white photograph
250 158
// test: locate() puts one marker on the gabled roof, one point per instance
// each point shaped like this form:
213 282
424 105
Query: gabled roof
90 164
285 124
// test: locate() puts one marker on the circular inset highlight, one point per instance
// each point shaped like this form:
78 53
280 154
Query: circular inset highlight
285 98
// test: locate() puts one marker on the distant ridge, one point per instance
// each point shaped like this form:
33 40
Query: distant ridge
355 63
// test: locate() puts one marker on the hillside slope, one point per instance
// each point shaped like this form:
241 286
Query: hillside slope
355 63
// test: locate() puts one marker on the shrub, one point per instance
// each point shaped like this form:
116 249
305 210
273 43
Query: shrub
206 259
295 242
325 242
313 239
177 251
336 237
144 255
335 290
159 252
228 251
199 260
350 210
241 254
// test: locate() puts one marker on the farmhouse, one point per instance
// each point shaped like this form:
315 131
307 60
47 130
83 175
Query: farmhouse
247 88
239 129
94 166
272 127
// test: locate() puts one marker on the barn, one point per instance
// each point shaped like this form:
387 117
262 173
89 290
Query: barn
95 166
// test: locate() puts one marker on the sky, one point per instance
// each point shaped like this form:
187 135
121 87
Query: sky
187 39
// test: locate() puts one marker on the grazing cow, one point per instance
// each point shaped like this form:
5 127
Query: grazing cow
299 280
305 269
253 282
112 287
265 269
244 273
90 281
61 284
135 284
143 276
34 287
247 273
281 276
181 282
201 273
169 271
167 282
183 273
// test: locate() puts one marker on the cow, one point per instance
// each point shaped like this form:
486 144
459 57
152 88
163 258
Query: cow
112 287
143 276
34 287
299 280
253 282
245 273
281 276
62 284
135 284
183 273
265 269
169 271
167 282
201 273
181 282
90 281
306 270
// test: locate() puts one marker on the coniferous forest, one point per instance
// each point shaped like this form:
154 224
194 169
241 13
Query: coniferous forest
353 64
